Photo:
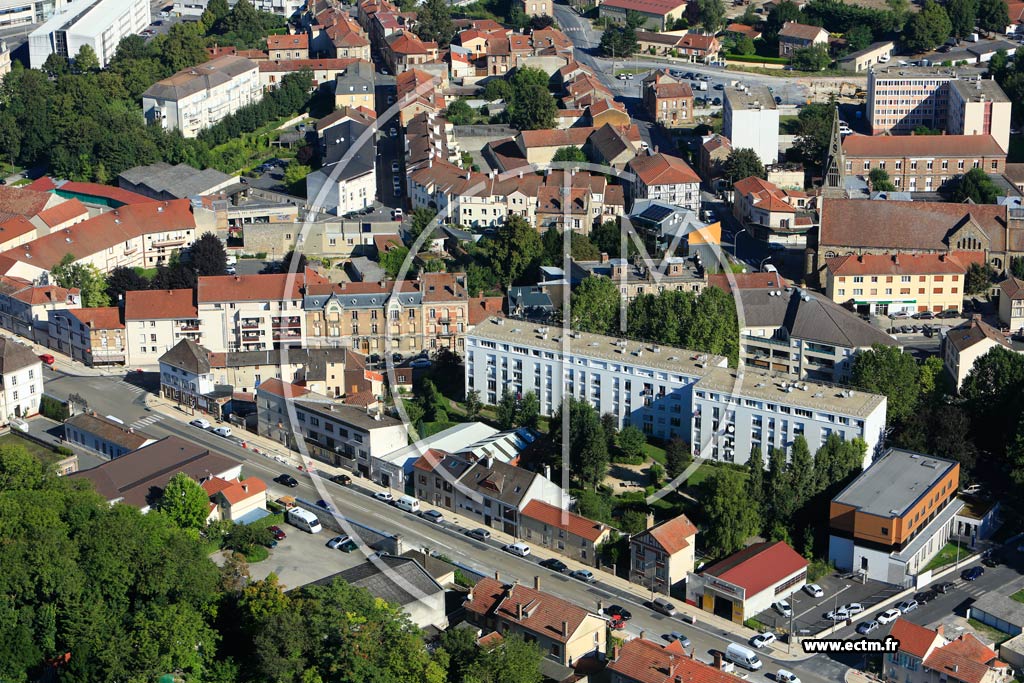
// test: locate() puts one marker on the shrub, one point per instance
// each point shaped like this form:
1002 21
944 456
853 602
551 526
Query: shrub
461 579
53 409
64 450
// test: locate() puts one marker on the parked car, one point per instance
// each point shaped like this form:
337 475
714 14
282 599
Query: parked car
837 615
972 574
925 596
201 423
716 102
896 315
762 640
945 587
277 532
618 611
866 627
783 608
287 480
663 606
222 431
584 575
888 616
719 86
554 565
47 358
421 363
432 516
678 636
907 606
854 608
480 534
384 496
520 549
923 315
336 542
394 166
325 505
783 676
342 479
949 313
814 590
398 214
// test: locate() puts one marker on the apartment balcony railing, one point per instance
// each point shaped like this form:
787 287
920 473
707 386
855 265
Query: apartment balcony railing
284 323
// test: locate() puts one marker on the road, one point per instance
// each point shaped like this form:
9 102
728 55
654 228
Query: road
112 395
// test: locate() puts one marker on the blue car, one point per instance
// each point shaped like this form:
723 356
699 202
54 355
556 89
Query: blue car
972 574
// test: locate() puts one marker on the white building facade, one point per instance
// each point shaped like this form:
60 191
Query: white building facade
750 119
100 24
22 12
644 385
21 380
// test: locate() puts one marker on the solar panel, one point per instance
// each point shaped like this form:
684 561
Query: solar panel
656 213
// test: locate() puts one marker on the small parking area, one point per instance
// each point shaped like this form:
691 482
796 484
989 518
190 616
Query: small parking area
302 558
809 613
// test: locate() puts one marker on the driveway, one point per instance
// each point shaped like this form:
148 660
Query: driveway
302 558
809 613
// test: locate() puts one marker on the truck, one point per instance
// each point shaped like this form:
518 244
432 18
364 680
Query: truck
701 85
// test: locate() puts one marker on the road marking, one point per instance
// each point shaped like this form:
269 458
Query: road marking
146 421
823 601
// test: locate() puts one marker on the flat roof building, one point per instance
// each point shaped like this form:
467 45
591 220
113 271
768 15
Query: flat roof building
100 24
750 119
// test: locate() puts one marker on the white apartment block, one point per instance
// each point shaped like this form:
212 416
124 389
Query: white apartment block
645 385
21 380
155 320
750 119
734 411
23 12
201 96
251 312
902 98
100 24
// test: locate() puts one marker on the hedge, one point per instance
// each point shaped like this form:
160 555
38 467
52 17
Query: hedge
756 59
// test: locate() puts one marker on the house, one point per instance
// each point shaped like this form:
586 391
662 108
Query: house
863 60
401 581
403 50
155 320
138 478
665 178
927 656
736 30
93 336
288 46
537 8
25 308
895 516
21 380
668 101
162 181
772 214
795 36
965 344
565 632
104 435
238 501
324 71
565 532
1011 303
399 465
661 557
880 284
714 152
531 302
418 92
750 120
693 47
186 377
639 660
55 218
347 180
659 15
355 86
748 581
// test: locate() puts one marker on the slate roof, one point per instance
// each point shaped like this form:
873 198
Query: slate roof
188 356
15 356
108 430
199 78
501 481
387 583
973 332
179 181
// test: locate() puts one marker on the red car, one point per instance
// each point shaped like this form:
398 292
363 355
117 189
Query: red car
279 534
47 358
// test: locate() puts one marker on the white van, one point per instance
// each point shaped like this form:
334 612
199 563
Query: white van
743 656
408 503
305 520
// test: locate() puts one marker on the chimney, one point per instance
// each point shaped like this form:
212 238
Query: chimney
519 611
642 634
536 583
940 629
718 659
245 487
489 461
650 520
615 653
604 257
860 258
671 665
497 576
565 629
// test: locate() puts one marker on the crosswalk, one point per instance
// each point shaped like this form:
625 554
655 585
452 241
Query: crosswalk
139 424
125 386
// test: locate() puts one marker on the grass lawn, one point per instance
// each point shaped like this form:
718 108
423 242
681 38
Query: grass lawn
48 456
655 453
1018 596
431 428
257 554
788 125
22 182
946 556
704 472
993 634
147 273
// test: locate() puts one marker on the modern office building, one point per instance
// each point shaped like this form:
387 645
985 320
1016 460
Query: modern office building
645 385
100 24
201 96
735 411
22 12
894 517
750 119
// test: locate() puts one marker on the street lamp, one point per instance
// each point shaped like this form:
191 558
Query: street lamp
736 241
760 267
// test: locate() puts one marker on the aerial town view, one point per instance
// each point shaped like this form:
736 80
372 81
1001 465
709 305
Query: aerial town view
511 341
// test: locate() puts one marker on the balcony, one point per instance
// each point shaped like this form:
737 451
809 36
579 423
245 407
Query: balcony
287 335
190 326
286 322
169 242
251 336
250 323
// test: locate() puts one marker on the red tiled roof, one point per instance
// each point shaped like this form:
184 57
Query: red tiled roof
792 29
645 661
160 304
283 389
915 640
279 65
64 212
743 29
674 534
20 201
565 520
298 41
1016 12
14 227
234 491
901 264
663 169
542 613
879 146
658 7
431 458
103 318
265 287
115 194
567 137
406 43
484 307
42 294
759 566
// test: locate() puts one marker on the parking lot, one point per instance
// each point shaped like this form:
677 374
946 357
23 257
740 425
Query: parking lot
302 557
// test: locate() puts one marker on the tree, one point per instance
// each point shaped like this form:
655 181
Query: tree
294 261
607 237
618 42
1015 456
755 475
813 58
993 15
782 12
531 108
677 457
392 260
541 22
743 163
123 279
459 113
217 10
858 37
86 60
419 220
976 186
632 441
434 22
473 404
528 411
570 154
208 255
730 517
506 410
84 277
594 306
780 498
184 502
979 278
514 660
926 29
962 16
887 370
711 15
514 248
801 470
295 174
497 89
56 65
745 45
588 446
814 132
880 182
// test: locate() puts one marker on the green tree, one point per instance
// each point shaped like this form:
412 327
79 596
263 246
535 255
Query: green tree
979 278
570 154
782 12
473 404
459 113
393 259
86 60
743 163
594 505
801 470
512 661
84 277
295 174
993 15
618 42
711 15
497 89
887 370
588 446
184 502
1015 456
730 517
677 457
755 475
208 255
607 237
419 220
528 411
880 182
506 410
531 107
926 29
976 186
123 279
635 20
434 22
781 499
858 37
632 441
215 11
514 248
594 306
962 16
814 132
56 65
813 58
745 45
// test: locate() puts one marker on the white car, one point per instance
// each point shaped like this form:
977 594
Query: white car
838 615
762 640
896 315
784 676
814 590
201 423
384 496
888 616
222 431
854 608
520 549
783 608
